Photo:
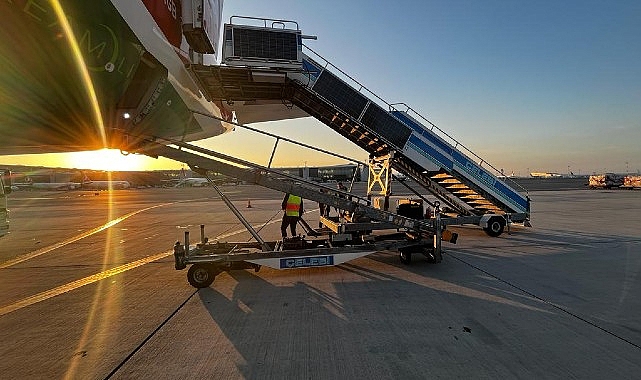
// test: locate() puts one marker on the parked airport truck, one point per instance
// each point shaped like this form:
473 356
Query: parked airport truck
605 181
5 189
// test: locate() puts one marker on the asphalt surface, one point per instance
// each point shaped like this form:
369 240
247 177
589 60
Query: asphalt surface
88 291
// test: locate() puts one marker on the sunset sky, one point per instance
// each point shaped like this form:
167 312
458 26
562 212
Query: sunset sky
529 86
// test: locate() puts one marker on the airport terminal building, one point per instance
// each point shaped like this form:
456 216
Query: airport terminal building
27 175
326 173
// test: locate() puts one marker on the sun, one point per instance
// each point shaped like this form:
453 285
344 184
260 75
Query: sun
108 159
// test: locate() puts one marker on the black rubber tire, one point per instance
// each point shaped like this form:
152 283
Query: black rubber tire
495 226
201 275
405 257
429 254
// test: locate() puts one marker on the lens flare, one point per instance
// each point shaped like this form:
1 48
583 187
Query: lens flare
81 66
111 304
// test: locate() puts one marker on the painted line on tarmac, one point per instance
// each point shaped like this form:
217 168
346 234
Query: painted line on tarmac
42 251
79 283
101 276
111 223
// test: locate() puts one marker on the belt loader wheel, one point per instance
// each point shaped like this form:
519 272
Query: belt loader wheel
495 226
405 256
201 275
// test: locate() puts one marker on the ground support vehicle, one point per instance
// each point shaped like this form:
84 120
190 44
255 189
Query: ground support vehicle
5 189
631 182
208 259
361 229
605 181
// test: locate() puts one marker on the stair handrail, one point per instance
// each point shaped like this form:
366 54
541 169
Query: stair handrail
459 145
391 107
264 20
362 87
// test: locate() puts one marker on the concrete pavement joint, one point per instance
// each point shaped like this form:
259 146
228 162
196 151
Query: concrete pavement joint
544 300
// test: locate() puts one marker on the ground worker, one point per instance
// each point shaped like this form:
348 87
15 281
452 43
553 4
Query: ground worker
340 187
293 207
324 209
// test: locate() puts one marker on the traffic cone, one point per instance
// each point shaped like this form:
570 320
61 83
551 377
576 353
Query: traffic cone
249 204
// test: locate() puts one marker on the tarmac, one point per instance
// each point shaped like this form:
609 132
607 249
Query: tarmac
88 290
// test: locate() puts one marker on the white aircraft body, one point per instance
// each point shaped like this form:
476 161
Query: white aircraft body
54 185
105 185
192 182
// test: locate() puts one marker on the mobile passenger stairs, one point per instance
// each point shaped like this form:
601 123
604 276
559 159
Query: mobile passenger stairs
266 64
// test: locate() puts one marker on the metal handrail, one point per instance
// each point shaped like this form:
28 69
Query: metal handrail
251 165
264 20
458 145
278 137
391 107
362 87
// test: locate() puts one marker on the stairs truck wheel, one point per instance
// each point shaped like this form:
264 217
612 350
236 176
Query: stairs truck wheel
405 256
495 226
201 275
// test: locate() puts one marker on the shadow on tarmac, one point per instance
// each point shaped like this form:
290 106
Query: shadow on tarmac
484 313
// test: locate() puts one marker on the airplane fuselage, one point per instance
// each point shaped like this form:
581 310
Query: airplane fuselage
105 185
55 186
95 74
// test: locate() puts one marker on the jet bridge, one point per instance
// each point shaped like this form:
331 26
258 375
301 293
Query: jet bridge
464 182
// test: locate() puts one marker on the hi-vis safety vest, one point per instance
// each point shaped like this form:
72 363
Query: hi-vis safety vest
293 205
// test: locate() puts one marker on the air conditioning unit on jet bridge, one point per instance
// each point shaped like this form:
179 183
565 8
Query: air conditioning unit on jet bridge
263 47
